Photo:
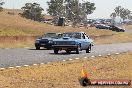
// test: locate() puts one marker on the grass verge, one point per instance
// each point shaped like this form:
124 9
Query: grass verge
66 74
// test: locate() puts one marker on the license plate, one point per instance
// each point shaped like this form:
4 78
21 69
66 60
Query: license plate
42 44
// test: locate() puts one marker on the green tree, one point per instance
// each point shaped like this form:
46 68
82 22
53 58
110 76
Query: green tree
56 7
32 11
87 8
122 13
71 9
118 10
79 10
1 3
125 14
130 17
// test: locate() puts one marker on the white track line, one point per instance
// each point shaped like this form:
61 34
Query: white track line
41 63
108 54
18 66
117 53
34 64
100 55
26 65
11 67
2 68
85 57
93 56
77 58
70 59
64 60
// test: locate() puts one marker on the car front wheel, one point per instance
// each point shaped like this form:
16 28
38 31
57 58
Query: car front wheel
37 48
78 49
56 51
88 50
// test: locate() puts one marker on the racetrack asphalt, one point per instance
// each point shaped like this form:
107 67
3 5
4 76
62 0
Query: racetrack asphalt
20 56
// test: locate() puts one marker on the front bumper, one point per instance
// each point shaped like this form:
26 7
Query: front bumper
64 46
48 45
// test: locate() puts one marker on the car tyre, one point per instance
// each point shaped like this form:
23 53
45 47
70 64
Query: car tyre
56 51
78 49
88 50
37 48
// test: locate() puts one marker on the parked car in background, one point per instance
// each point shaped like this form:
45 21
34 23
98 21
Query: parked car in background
46 40
102 26
73 41
116 28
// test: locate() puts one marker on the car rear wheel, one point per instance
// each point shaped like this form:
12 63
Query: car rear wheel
37 48
88 50
56 51
78 49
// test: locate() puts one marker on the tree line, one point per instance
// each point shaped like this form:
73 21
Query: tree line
121 13
71 9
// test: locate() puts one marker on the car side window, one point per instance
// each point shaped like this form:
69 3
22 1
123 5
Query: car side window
83 36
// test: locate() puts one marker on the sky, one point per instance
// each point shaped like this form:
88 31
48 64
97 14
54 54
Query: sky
103 7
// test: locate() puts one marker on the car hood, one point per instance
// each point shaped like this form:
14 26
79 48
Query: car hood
70 39
66 39
46 39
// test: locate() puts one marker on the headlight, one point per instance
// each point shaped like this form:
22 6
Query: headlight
36 41
50 41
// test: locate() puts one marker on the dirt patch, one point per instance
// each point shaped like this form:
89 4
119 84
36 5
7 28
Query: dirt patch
17 38
101 36
17 41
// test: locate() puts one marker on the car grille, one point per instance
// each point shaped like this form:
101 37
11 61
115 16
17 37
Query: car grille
64 43
44 41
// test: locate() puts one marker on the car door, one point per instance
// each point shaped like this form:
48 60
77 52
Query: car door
84 41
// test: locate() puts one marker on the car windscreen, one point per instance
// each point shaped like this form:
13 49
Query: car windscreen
72 35
50 35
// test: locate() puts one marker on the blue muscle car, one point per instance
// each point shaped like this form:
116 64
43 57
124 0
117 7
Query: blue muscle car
73 41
